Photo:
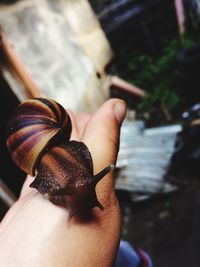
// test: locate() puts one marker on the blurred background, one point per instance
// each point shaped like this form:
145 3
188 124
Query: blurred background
146 52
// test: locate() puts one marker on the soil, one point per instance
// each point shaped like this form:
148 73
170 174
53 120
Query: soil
166 227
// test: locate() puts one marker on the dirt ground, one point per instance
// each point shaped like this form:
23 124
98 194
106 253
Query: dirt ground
167 227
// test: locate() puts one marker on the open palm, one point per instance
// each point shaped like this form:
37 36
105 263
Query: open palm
37 233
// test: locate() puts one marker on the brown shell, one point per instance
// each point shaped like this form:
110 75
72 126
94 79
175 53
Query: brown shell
35 124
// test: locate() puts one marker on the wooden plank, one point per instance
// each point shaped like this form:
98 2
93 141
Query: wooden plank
12 66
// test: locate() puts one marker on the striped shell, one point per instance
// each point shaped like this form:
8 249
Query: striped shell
36 124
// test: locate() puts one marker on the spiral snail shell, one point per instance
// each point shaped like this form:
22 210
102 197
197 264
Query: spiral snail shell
38 141
35 123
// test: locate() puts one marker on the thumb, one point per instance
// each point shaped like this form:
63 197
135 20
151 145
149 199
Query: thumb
102 133
102 136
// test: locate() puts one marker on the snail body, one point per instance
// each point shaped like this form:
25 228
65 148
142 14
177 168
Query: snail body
39 143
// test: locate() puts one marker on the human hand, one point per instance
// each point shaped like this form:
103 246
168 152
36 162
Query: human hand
37 233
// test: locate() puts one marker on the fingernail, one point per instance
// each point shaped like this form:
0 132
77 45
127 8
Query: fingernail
120 110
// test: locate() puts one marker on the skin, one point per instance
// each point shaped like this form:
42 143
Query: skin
35 232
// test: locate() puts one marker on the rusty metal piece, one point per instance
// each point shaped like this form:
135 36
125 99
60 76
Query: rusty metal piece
117 83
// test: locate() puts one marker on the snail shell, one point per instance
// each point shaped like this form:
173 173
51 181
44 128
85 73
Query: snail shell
38 141
35 124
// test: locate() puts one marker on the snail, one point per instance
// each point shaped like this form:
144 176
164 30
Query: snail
38 139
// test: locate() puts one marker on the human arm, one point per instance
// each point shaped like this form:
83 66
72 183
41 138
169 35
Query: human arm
37 233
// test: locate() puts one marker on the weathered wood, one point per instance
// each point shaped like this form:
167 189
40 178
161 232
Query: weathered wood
7 199
6 196
16 73
62 47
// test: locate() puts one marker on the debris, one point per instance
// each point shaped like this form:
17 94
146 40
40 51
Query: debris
163 215
143 159
185 162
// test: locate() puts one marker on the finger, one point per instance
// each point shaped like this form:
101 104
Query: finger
74 133
102 133
102 138
27 194
25 188
82 120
